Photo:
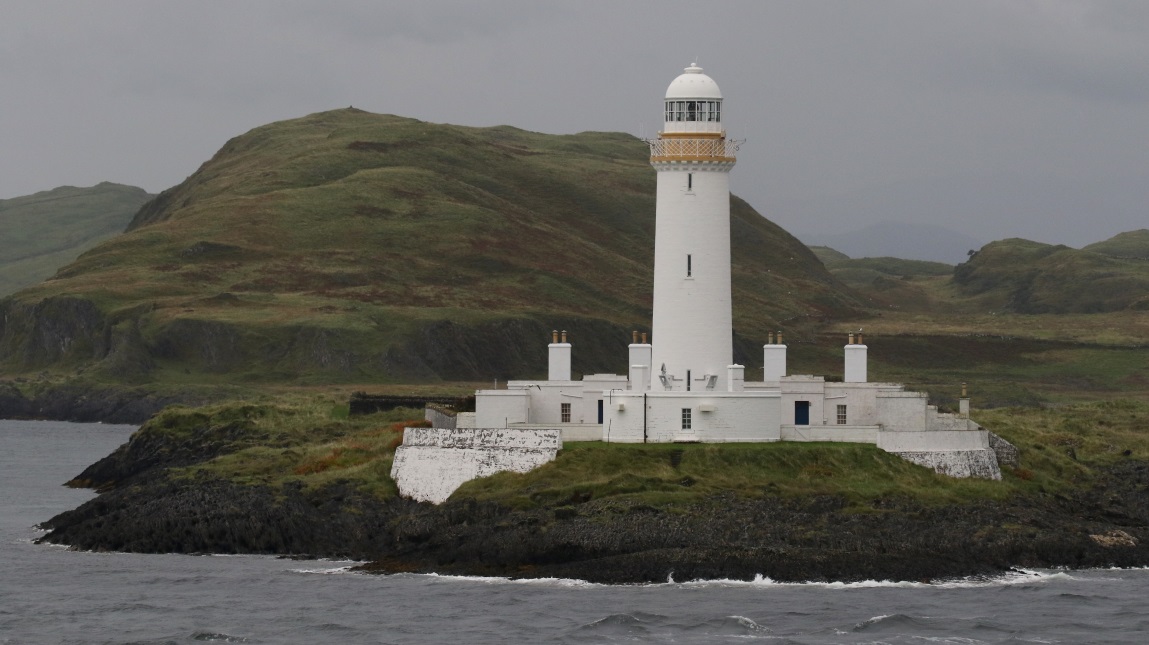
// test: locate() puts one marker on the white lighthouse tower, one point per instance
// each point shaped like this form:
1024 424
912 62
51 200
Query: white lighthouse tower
692 309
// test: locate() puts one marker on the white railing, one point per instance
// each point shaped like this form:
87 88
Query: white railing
675 149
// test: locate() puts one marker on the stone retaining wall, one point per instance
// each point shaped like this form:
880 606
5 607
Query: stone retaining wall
432 463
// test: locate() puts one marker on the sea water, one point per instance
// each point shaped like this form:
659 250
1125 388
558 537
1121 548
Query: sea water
49 594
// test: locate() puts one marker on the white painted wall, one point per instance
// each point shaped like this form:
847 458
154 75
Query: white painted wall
639 355
855 364
902 411
559 363
957 463
715 417
892 441
849 434
735 378
500 408
802 387
773 362
432 463
692 314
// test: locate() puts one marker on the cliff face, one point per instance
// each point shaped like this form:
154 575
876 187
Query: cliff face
347 246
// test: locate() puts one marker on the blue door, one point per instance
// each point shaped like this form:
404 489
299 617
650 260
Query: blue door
801 413
600 410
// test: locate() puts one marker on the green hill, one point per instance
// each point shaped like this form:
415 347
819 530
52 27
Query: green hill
1131 244
828 255
45 231
1030 277
352 247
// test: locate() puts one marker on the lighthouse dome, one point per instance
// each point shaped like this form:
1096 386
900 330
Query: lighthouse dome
693 84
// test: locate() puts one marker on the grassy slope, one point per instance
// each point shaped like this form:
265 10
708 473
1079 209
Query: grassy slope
1131 244
1029 277
45 231
369 228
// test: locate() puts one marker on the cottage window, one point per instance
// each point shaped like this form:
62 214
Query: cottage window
686 418
841 415
565 412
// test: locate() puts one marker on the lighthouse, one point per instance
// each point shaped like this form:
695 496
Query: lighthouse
691 326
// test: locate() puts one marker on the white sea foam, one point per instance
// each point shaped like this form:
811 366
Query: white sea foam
1017 577
335 571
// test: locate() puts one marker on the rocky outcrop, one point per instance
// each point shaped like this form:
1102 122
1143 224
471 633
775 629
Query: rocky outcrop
610 540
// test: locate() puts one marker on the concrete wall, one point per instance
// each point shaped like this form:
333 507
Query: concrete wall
902 411
440 418
570 431
432 463
933 441
500 408
849 433
715 417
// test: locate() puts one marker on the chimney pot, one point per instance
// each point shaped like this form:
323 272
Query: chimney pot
643 338
564 332
554 335
851 338
779 336
634 337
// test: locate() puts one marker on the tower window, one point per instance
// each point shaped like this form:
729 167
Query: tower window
686 421
841 415
689 181
565 409
687 380
689 266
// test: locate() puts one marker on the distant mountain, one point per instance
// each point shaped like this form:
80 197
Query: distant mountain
828 255
1133 244
353 247
1030 277
899 240
45 231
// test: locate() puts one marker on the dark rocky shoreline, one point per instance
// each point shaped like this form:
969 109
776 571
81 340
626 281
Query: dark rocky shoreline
142 508
83 403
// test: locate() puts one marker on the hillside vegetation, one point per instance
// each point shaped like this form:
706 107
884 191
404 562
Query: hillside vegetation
352 247
1034 278
1131 244
45 231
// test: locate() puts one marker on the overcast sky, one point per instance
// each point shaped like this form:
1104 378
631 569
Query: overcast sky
993 118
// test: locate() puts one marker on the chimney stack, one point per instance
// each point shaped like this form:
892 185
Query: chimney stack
559 355
640 357
774 359
855 361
